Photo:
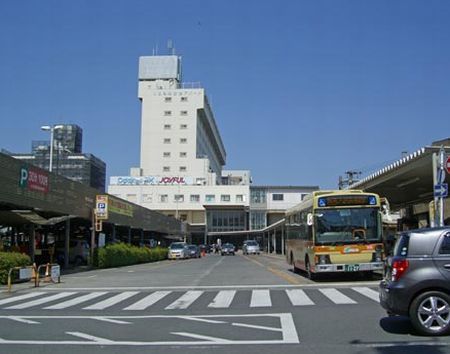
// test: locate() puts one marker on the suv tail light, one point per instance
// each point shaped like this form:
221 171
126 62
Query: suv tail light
399 267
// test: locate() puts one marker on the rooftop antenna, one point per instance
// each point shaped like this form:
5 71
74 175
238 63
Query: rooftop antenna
170 47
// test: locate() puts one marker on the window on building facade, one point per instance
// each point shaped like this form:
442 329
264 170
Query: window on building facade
183 154
183 113
183 141
167 126
210 198
166 154
278 197
225 220
183 217
183 126
184 99
195 198
166 168
240 198
225 198
163 198
167 99
258 196
179 198
166 140
183 169
147 198
167 113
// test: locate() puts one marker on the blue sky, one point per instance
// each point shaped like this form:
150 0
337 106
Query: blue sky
302 91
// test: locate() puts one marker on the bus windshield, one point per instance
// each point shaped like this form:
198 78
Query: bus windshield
350 225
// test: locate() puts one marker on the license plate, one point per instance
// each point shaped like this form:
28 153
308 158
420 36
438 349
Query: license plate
352 268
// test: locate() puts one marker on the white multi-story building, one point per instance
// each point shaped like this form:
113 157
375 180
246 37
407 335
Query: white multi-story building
182 157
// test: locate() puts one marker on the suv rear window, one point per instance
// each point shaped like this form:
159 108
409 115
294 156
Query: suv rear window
401 246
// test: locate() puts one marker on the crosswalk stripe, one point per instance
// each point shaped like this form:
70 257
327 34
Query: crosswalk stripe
41 301
148 300
371 294
76 301
111 301
260 298
20 297
336 296
185 301
298 297
223 299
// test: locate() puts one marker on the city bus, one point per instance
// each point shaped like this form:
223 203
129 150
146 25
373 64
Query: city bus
335 231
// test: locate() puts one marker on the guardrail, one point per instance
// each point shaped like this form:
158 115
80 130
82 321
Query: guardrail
28 272
52 274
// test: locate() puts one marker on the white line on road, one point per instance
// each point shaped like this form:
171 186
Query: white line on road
337 297
298 297
223 299
371 294
257 327
41 301
111 301
89 337
185 301
20 297
76 301
20 319
148 300
207 339
260 298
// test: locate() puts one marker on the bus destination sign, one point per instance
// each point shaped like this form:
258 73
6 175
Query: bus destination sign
347 200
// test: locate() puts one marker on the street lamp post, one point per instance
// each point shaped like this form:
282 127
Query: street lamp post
51 129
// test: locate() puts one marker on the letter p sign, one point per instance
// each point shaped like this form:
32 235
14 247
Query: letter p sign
23 177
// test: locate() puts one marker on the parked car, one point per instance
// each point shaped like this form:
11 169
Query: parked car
417 280
206 248
251 247
194 251
227 248
178 250
78 251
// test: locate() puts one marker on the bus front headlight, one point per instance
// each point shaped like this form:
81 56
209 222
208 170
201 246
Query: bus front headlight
323 259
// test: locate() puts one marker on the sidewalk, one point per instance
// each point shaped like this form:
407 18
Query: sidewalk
27 285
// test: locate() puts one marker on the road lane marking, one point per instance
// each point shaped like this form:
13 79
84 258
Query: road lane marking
223 299
261 298
257 327
111 301
287 331
76 301
207 339
337 297
91 338
41 301
298 297
20 297
185 301
371 294
148 301
22 320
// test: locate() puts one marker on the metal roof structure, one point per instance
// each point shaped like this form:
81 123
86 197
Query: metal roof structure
407 181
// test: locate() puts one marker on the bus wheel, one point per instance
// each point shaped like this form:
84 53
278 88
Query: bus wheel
309 273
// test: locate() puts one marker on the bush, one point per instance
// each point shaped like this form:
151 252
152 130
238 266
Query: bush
10 260
121 254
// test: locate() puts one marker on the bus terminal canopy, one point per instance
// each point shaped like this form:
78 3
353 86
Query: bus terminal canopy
406 182
31 195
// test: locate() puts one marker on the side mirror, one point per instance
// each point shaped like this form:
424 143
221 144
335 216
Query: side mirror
310 219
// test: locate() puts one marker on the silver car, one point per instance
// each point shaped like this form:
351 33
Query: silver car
178 250
251 247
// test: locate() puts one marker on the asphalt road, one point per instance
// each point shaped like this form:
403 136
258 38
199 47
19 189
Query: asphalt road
231 304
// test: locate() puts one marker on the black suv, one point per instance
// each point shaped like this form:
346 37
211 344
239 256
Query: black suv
417 280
